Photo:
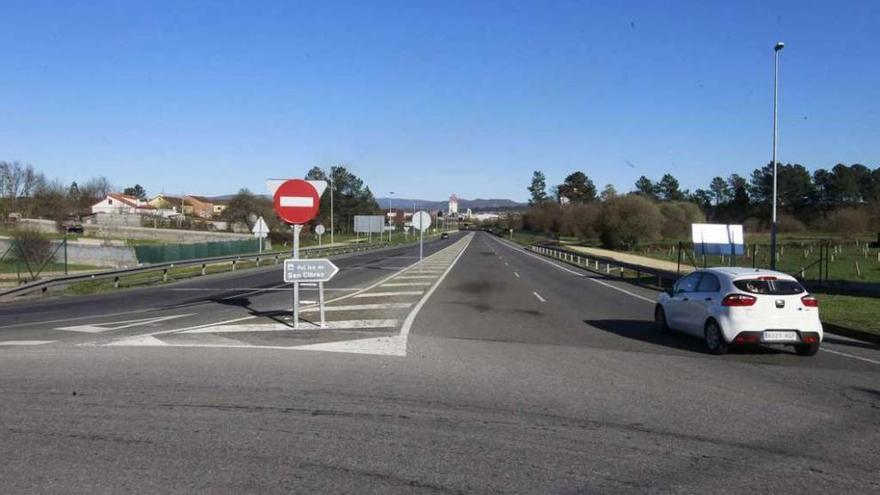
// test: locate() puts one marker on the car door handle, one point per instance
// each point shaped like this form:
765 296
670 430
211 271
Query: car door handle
708 299
685 299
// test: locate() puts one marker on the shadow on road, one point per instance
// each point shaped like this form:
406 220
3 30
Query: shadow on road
644 331
278 316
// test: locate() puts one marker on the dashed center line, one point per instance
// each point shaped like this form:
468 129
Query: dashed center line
516 274
539 297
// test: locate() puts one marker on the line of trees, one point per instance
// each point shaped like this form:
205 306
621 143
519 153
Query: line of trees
844 200
27 191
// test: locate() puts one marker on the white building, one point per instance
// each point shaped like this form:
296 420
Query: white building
453 205
122 204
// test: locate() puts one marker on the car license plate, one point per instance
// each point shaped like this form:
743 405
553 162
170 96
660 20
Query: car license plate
780 336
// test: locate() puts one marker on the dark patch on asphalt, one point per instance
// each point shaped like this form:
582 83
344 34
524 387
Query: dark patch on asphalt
475 287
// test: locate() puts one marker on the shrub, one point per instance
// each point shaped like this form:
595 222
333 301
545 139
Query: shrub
31 248
627 220
789 224
580 220
848 221
678 217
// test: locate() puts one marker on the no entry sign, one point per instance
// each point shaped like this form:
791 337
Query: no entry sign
296 201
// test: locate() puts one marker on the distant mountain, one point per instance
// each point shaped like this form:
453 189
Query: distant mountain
478 204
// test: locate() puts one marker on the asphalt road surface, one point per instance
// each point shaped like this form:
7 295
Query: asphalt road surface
485 369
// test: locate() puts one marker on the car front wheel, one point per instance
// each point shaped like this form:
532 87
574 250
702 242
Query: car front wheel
807 349
660 322
715 338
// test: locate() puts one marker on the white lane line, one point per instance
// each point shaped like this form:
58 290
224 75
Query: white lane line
505 264
252 290
284 327
26 342
539 297
852 356
389 294
406 284
516 274
600 282
360 307
415 277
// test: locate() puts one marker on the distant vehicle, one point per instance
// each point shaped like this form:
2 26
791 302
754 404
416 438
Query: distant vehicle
75 229
742 306
444 235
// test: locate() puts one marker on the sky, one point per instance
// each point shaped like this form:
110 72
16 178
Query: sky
427 99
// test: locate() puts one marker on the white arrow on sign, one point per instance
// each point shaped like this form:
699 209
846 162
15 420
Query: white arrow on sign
260 229
309 270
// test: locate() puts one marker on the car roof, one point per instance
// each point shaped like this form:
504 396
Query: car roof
736 273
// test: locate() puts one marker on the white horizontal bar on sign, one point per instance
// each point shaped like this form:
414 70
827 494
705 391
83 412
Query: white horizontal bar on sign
297 201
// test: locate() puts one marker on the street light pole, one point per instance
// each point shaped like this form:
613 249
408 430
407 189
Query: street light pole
390 197
776 49
331 204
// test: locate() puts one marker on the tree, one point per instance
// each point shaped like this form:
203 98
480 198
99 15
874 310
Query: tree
794 187
720 190
702 197
350 197
608 192
627 220
646 188
137 191
577 188
538 188
668 188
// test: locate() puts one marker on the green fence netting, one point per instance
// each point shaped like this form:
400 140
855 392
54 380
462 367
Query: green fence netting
175 252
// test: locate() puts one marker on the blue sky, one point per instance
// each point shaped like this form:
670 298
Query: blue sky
430 98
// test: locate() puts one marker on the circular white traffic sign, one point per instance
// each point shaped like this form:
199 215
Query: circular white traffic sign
296 201
421 220
319 229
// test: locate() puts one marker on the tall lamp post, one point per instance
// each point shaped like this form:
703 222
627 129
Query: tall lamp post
390 218
331 204
776 49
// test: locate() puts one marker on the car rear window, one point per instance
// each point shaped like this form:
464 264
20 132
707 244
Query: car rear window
772 287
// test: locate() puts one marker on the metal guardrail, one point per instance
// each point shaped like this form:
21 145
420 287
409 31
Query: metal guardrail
44 285
661 279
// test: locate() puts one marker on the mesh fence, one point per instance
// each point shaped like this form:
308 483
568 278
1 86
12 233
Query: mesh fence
176 252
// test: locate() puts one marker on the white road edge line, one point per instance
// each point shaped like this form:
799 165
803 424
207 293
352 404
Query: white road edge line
411 317
516 274
539 296
600 282
853 356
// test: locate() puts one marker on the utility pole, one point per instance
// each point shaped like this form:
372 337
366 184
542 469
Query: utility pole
776 49
331 204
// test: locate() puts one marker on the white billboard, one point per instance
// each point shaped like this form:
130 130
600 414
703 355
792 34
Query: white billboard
711 238
365 224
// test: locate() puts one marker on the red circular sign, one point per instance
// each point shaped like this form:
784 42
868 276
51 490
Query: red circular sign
296 201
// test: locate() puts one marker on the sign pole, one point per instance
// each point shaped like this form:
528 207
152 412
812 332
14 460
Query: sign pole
321 301
296 231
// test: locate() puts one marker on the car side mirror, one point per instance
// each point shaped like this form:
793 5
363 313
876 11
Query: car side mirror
669 291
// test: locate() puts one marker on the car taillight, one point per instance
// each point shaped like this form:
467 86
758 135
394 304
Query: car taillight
810 301
738 300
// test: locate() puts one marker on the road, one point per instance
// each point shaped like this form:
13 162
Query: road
486 369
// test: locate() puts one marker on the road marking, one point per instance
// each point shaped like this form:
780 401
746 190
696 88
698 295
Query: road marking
539 297
516 274
26 342
360 307
406 284
410 318
633 294
505 264
389 294
853 356
284 327
119 325
415 277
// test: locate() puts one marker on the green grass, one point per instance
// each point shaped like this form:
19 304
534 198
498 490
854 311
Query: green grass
857 313
13 267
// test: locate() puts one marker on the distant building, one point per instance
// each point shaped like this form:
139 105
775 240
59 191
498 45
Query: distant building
453 205
120 204
198 206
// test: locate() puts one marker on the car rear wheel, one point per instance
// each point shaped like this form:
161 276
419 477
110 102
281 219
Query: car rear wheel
660 322
715 338
807 349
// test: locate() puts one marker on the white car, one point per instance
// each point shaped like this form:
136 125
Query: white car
742 306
